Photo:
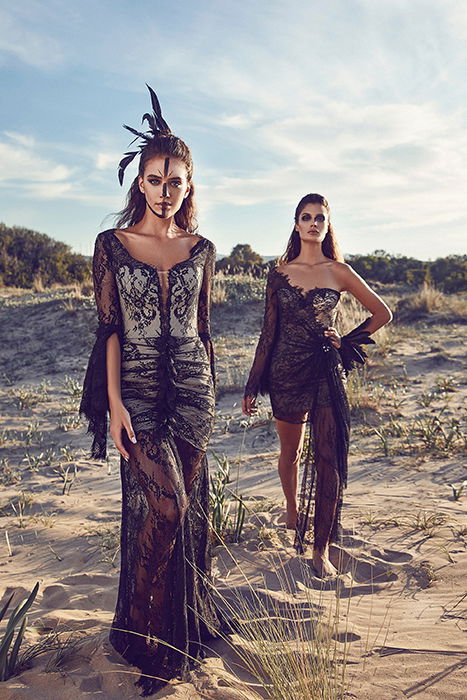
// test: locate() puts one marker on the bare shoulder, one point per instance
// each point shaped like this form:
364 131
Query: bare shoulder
344 272
342 267
351 281
191 239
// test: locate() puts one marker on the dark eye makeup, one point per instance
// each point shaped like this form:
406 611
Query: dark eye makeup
319 218
157 181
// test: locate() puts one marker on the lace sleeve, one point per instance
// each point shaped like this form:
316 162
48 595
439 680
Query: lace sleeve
204 306
258 378
105 286
94 402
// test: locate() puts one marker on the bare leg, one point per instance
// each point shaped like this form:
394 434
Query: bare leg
291 442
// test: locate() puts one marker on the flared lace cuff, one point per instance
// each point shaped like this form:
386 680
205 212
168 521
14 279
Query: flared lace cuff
351 350
95 403
251 389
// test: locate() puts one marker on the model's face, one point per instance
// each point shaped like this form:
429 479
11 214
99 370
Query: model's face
313 223
164 185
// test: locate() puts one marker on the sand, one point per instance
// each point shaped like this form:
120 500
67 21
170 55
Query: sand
401 588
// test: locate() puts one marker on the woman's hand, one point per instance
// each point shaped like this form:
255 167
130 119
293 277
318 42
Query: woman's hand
333 336
249 407
119 421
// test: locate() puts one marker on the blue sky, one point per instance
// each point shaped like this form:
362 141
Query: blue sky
363 101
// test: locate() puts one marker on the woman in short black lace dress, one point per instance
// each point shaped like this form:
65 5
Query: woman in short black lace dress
301 361
152 367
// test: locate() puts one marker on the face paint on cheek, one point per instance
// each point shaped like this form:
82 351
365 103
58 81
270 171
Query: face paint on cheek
163 213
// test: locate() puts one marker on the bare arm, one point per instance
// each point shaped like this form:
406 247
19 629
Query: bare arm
113 358
350 281
119 417
356 285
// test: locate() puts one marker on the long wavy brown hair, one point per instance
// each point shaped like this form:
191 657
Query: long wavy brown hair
329 246
170 146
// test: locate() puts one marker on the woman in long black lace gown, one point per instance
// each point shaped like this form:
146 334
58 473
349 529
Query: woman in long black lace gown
152 367
301 361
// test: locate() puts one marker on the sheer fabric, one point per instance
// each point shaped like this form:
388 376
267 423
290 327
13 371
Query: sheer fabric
163 611
303 374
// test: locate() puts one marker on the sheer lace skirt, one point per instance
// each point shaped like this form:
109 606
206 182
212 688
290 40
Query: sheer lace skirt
324 463
163 612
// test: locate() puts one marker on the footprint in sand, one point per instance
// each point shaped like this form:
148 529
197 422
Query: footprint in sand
89 580
345 637
92 684
350 540
392 555
19 594
82 591
55 597
102 516
361 567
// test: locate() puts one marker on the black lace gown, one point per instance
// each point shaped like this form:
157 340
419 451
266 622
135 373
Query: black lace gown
302 372
162 319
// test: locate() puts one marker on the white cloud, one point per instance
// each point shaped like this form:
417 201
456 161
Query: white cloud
20 162
394 173
49 190
236 121
22 139
26 172
456 16
105 161
21 39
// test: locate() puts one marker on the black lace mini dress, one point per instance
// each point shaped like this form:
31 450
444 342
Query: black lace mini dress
162 320
302 372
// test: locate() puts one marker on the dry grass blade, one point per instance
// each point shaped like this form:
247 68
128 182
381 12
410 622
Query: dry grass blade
65 651
288 641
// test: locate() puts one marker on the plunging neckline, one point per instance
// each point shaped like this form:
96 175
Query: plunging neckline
300 290
153 267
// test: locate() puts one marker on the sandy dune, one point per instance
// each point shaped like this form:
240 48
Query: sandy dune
401 590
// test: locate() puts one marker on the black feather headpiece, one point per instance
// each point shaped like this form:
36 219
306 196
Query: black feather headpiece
157 126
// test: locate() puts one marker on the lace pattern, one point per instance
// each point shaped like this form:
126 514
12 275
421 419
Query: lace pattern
304 376
167 387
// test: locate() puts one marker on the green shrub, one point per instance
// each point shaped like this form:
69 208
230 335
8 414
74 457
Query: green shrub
33 260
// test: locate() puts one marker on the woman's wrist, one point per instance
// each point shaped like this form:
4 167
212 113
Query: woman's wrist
115 403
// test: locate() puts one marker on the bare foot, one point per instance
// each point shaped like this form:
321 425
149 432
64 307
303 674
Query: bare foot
288 521
322 563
